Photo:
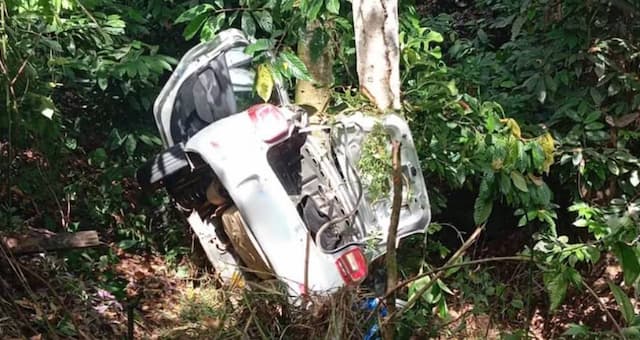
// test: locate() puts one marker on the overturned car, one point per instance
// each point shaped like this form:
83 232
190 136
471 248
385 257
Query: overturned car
269 194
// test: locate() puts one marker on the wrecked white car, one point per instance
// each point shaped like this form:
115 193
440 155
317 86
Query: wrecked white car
268 194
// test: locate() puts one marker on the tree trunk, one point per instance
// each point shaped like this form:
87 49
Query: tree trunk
378 58
315 94
378 51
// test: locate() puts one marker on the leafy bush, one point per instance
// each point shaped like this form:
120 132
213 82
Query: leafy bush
581 89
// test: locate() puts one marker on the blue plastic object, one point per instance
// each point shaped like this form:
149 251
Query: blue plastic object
370 304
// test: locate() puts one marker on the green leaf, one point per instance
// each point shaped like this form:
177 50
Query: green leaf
443 310
130 145
631 332
98 157
557 289
211 27
150 140
597 97
519 181
71 143
313 9
444 287
103 83
629 262
613 168
492 122
126 244
258 46
433 36
577 158
418 285
333 6
193 12
248 24
319 41
482 36
182 272
484 202
523 221
505 183
550 83
594 254
580 223
542 92
481 210
592 117
517 26
295 66
287 5
265 21
594 126
537 156
194 26
517 303
634 179
623 302
576 330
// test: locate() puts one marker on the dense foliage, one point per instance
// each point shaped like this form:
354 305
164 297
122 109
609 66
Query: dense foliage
530 109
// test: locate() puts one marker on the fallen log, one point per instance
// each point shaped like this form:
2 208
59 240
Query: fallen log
29 244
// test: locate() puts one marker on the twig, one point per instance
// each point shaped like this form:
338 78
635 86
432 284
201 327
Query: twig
256 320
447 267
17 269
390 257
93 19
461 264
20 70
458 232
428 286
605 310
60 301
306 264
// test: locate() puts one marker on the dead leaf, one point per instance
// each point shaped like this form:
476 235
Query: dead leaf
536 180
626 119
211 323
14 189
25 304
139 275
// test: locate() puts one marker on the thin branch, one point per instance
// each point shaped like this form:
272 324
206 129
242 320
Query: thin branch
462 264
447 267
239 9
3 69
471 240
60 301
390 257
306 264
93 19
20 70
17 270
605 310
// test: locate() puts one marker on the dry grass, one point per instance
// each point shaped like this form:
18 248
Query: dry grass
41 299
264 313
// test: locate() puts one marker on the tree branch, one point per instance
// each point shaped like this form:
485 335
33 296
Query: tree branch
451 260
390 257
605 310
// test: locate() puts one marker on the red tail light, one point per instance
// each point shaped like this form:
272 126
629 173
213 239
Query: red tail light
269 121
352 266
